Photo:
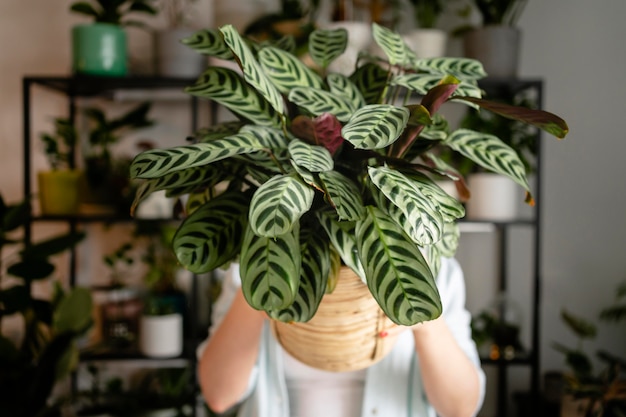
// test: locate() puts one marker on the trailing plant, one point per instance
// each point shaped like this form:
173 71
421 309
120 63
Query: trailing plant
45 351
605 391
322 168
115 12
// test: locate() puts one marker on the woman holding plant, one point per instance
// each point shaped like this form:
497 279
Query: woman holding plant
433 369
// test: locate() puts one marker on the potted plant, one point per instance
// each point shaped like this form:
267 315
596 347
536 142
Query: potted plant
40 349
325 169
589 393
59 186
172 57
106 175
100 47
496 42
426 39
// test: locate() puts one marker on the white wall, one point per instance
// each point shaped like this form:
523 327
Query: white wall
576 46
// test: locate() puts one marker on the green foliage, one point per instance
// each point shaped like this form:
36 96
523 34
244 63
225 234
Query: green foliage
500 12
347 158
427 12
114 11
47 351
59 146
605 390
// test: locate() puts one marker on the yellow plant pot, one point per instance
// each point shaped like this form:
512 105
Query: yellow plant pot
348 332
59 192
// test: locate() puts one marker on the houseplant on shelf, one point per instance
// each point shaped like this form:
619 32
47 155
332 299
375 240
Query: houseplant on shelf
100 47
40 348
426 40
587 393
59 186
172 57
324 169
106 174
496 42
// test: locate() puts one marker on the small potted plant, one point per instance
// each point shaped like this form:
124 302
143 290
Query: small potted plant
427 40
496 41
100 47
107 188
589 393
59 186
37 350
323 169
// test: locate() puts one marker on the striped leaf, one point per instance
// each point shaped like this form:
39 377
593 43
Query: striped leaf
341 235
438 130
343 195
278 204
285 43
398 276
307 176
489 152
156 163
433 258
449 243
317 102
449 207
227 88
193 177
270 269
421 83
211 235
252 71
375 126
209 42
392 44
313 158
341 85
325 45
421 212
335 267
313 279
271 138
218 131
371 80
462 68
287 71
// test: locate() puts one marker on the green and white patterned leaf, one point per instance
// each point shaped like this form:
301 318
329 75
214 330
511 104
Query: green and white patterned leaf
286 71
341 85
392 44
462 68
286 43
325 45
227 88
449 207
438 130
342 193
371 80
211 235
271 138
312 157
449 243
341 235
421 83
421 213
375 126
193 177
489 152
307 176
217 131
270 269
313 279
317 102
156 163
278 204
209 42
252 71
433 258
398 276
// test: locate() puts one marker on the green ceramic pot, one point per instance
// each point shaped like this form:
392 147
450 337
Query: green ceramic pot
99 49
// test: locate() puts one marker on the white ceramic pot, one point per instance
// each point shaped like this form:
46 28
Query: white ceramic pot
493 197
359 38
161 336
427 43
497 47
175 59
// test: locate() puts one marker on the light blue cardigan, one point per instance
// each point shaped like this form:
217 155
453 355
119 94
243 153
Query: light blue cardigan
393 386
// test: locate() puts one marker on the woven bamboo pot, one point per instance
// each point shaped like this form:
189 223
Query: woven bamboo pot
349 331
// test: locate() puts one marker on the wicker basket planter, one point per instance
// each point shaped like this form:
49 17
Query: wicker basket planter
348 332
